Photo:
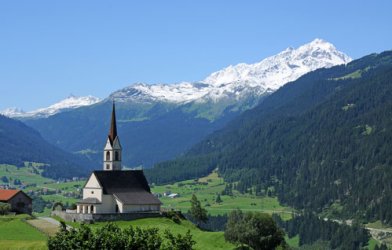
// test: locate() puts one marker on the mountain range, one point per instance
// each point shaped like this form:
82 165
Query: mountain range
158 122
233 83
320 143
71 102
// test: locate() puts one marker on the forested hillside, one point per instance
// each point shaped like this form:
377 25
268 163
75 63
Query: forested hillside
322 142
20 143
149 132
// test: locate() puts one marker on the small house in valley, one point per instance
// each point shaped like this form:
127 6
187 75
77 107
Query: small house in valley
18 200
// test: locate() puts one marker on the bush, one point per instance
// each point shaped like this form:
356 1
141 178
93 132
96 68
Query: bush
5 208
257 230
175 216
111 236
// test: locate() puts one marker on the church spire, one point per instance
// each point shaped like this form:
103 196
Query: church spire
113 126
112 152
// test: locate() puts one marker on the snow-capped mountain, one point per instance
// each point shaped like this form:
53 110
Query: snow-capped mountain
232 84
242 79
70 102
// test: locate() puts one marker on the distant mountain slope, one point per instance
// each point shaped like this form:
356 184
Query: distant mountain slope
20 143
322 142
71 102
158 122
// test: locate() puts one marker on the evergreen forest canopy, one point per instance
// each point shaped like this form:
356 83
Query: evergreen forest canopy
21 144
322 142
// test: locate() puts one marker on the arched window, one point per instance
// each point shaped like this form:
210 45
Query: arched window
108 156
92 209
116 156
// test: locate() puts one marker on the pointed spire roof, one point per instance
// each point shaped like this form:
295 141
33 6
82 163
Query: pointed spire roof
113 126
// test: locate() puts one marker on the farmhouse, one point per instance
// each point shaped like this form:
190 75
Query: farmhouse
113 190
19 201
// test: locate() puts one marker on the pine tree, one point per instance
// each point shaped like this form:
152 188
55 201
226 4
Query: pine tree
197 212
218 199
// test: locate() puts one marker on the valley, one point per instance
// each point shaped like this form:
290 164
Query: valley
206 188
235 141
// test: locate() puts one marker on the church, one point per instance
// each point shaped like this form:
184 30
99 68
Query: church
113 190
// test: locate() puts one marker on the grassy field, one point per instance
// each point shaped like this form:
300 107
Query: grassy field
27 175
15 233
207 189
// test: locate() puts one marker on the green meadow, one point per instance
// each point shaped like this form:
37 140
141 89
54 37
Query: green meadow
207 190
16 233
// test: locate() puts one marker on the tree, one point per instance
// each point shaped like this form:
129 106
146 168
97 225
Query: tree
17 182
257 230
197 212
4 208
218 199
4 179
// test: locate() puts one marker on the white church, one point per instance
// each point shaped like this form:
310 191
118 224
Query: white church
113 190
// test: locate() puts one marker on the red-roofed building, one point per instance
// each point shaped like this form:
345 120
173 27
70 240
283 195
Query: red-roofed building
19 201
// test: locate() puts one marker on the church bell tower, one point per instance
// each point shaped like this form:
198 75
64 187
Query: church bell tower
112 152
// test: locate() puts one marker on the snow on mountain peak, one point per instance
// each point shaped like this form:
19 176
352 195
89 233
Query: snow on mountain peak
70 102
288 65
243 79
234 82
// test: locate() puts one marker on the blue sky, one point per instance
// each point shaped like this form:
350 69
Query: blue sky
50 49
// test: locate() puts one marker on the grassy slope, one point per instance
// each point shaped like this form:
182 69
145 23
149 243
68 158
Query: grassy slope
24 174
207 193
15 233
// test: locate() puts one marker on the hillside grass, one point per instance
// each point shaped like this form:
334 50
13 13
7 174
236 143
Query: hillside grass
28 175
16 233
207 189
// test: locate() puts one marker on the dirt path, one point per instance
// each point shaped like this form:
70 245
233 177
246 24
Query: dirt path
47 225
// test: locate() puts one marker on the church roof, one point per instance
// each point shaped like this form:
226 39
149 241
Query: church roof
128 186
137 198
113 126
122 181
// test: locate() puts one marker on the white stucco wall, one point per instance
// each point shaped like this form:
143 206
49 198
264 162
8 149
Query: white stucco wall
92 189
108 204
92 182
139 208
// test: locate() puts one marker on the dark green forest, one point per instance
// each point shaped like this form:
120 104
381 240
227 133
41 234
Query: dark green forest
21 143
323 142
312 229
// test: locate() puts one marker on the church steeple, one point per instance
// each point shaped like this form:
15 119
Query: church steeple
112 152
113 126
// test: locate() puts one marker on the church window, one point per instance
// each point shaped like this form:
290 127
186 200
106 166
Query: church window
92 192
108 156
116 156
107 166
